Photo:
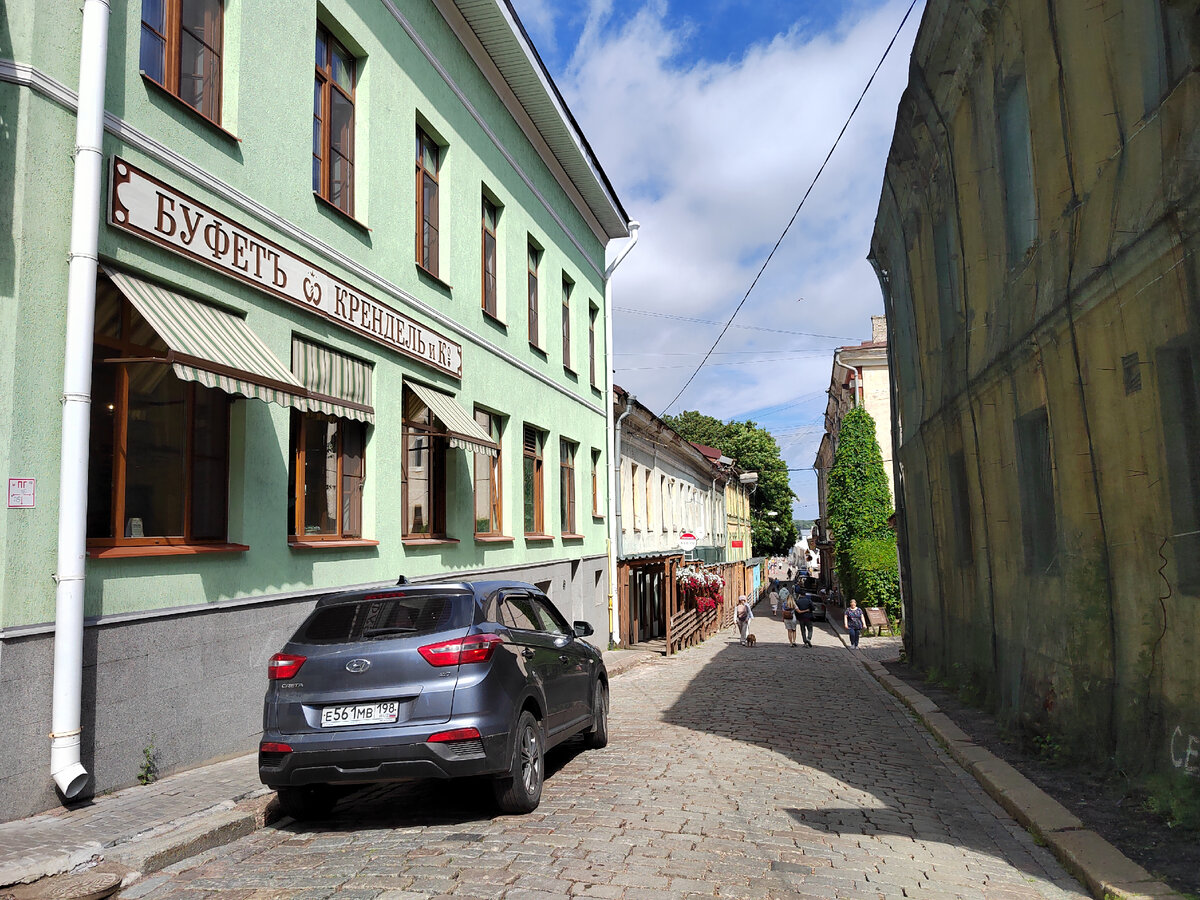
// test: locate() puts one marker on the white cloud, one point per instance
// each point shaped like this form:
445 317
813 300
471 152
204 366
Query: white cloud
712 159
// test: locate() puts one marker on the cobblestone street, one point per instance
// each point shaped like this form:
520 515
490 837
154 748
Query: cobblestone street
765 772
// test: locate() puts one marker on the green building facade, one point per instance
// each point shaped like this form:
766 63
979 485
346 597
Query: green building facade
349 325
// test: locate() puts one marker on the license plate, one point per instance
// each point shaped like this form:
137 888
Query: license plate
360 714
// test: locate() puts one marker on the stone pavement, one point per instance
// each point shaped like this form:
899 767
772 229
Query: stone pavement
732 772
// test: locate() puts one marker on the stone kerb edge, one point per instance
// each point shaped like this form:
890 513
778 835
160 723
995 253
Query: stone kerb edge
1107 873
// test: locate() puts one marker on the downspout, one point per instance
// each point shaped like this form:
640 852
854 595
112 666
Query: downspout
65 767
613 446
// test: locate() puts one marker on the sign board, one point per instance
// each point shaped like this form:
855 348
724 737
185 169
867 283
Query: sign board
736 544
687 541
22 493
142 205
876 616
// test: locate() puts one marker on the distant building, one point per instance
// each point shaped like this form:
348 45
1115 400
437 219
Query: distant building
1036 242
860 378
669 487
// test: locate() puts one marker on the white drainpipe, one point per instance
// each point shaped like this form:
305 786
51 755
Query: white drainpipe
65 767
613 447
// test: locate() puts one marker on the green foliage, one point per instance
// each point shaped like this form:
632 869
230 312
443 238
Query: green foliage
148 773
1176 798
874 575
755 450
859 504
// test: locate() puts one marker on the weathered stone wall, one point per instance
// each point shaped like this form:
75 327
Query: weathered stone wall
1046 395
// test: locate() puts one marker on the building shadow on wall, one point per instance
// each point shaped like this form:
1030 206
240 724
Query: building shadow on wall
8 166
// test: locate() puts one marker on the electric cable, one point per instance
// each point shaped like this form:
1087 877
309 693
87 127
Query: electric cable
792 220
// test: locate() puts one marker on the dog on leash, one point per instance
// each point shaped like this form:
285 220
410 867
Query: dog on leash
751 640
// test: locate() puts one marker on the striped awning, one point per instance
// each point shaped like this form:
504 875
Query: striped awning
457 424
337 385
210 346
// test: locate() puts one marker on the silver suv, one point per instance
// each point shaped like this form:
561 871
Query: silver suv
428 681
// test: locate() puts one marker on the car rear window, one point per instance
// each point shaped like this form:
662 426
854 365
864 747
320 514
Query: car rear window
381 617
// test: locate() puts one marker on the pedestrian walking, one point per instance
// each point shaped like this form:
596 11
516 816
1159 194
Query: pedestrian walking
804 613
789 619
853 620
743 614
774 598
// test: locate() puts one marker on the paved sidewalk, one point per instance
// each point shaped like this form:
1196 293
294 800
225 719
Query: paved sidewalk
146 828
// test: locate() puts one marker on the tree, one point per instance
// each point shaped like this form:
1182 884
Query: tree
754 449
859 507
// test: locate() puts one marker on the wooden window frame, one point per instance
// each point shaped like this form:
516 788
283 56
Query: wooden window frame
567 287
437 479
592 312
324 114
596 511
566 485
172 56
488 232
299 450
428 262
536 454
108 350
495 482
533 259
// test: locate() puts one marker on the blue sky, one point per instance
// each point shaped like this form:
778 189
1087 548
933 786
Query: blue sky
711 118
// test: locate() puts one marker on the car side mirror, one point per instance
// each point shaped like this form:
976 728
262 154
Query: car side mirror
584 629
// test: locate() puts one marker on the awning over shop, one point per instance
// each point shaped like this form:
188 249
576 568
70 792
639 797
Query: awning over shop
337 385
462 429
210 346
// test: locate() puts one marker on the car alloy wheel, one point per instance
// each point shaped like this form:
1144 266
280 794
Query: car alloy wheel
520 790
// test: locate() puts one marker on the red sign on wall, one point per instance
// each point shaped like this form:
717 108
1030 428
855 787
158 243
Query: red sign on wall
736 544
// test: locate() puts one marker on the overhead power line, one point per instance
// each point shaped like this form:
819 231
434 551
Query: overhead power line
800 206
662 315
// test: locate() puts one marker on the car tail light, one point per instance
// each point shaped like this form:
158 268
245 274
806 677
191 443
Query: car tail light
475 648
458 734
273 747
283 666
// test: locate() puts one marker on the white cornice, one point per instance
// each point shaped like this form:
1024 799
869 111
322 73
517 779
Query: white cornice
30 77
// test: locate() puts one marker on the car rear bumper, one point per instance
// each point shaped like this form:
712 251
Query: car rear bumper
315 759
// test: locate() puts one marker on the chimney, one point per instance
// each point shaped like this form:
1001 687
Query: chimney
879 329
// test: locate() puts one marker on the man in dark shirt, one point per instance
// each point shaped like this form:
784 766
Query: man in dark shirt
804 612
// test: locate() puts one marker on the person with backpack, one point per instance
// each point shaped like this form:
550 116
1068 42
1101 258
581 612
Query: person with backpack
742 614
789 618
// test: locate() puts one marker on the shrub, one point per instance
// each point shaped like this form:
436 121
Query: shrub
874 575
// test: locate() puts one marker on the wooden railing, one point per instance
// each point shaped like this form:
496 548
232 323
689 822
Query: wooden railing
688 626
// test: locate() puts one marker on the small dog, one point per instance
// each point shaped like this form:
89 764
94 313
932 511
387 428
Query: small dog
751 640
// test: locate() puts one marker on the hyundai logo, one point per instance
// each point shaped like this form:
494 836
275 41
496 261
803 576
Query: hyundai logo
358 665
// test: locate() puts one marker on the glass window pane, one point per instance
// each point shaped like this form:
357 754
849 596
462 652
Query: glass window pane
322 49
528 475
210 442
201 18
316 175
153 51
320 476
108 314
340 177
343 68
156 449
419 513
341 123
193 63
100 446
153 14
353 440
